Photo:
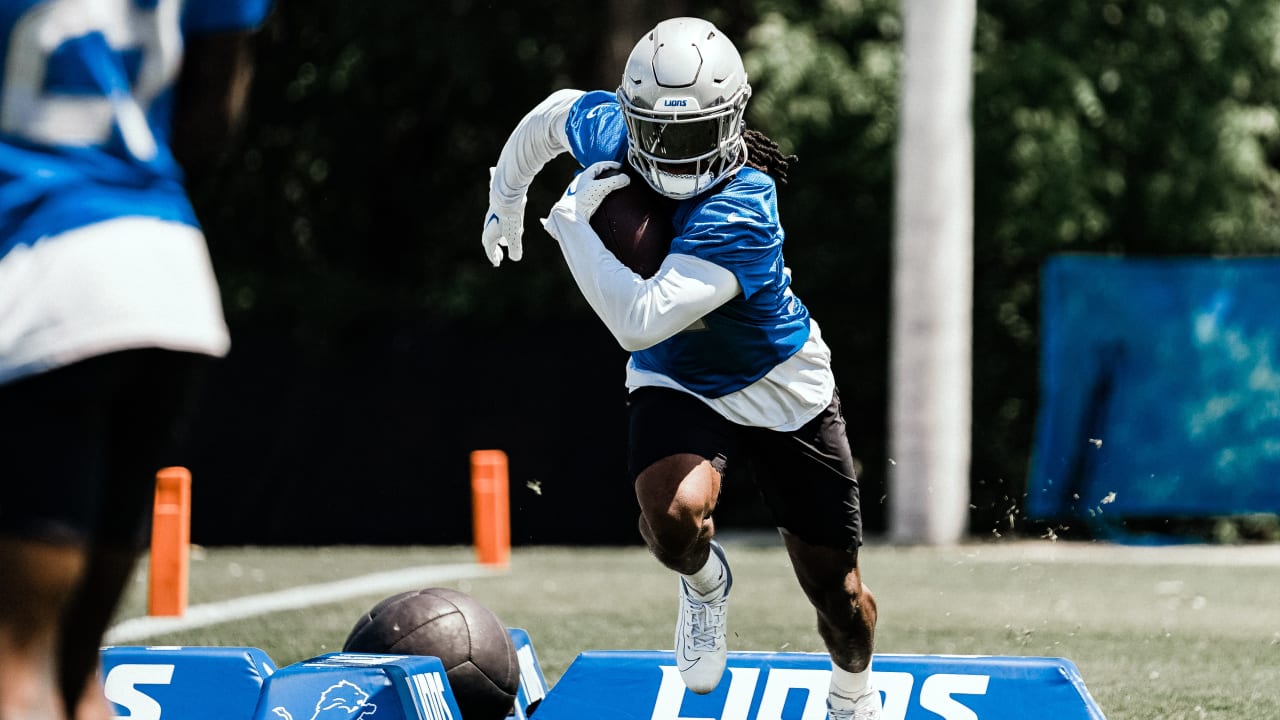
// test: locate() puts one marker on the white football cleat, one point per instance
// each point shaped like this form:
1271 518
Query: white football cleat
866 706
700 632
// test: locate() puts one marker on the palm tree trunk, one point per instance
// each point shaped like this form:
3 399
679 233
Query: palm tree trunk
931 335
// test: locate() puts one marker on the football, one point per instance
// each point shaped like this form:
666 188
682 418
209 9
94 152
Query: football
471 642
635 224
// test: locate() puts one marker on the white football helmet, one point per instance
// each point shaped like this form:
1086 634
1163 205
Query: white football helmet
684 93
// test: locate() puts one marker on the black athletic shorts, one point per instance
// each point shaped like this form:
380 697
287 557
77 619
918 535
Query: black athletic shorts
806 477
80 445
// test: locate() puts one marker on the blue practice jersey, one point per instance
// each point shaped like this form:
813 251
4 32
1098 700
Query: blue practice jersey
735 226
86 97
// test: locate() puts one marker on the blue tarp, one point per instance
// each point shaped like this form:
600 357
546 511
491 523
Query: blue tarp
1159 389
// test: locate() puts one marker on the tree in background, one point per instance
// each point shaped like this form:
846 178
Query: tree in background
825 87
350 220
1143 128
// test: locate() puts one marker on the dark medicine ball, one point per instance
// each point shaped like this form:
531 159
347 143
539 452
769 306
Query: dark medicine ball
470 641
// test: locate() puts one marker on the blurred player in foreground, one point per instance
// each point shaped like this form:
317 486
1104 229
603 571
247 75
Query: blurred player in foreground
728 376
108 306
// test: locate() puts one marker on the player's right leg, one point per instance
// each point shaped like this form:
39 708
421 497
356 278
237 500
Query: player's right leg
672 435
38 580
676 496
82 444
50 439
151 395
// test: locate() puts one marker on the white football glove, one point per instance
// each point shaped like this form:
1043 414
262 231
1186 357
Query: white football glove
588 189
503 227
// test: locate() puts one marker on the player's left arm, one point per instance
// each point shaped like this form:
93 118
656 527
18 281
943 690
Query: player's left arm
639 312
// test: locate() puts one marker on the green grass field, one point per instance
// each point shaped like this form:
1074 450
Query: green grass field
1172 633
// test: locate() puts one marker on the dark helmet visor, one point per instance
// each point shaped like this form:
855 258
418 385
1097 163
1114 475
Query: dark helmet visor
678 140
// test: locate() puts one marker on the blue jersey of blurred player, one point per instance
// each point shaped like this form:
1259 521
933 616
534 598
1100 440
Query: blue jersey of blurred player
728 376
108 305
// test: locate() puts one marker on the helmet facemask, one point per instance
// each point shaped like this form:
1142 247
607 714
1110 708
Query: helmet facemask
681 150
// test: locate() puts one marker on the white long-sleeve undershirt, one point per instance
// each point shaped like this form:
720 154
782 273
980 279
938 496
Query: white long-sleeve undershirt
537 139
639 312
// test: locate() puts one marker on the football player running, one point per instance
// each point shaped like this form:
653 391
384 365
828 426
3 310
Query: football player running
729 376
108 306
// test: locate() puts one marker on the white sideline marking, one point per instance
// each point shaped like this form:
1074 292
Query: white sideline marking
292 599
1102 553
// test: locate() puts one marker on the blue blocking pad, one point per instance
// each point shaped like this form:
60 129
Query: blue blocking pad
242 683
621 685
533 684
193 683
350 686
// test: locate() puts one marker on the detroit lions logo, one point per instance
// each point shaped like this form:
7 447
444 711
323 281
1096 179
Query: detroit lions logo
343 701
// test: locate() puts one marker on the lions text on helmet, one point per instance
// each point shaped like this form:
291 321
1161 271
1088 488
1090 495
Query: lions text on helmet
683 94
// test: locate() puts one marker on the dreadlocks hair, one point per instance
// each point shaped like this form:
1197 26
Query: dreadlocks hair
763 155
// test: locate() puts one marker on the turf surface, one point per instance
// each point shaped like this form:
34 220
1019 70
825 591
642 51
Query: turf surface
1158 633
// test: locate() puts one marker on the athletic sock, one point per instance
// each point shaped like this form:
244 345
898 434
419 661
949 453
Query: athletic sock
849 686
709 581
